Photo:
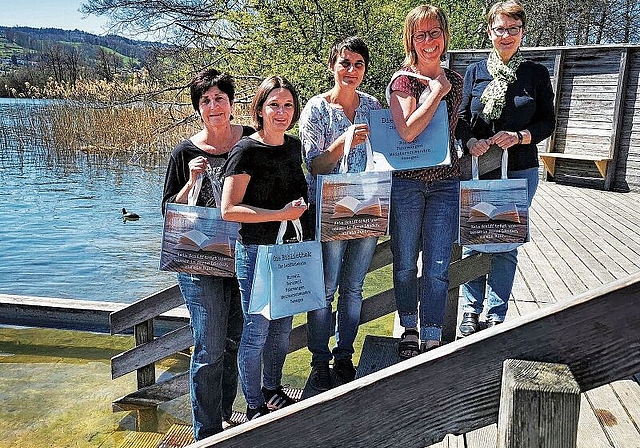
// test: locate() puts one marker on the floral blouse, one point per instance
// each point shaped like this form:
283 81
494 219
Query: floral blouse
321 124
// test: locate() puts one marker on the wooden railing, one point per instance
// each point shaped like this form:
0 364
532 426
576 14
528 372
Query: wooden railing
149 350
456 388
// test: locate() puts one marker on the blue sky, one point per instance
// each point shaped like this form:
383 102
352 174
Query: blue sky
49 14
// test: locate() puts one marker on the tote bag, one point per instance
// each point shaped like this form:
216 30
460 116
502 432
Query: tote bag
430 148
353 205
196 240
288 278
494 214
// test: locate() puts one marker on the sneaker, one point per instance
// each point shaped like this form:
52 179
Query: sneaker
257 412
469 324
276 399
320 376
344 369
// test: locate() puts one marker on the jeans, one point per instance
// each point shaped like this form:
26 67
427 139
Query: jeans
264 342
424 217
346 263
499 282
216 325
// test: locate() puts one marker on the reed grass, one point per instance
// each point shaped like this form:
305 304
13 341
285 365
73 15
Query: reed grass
134 118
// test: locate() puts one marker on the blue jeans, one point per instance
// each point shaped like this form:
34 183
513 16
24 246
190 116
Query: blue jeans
264 343
424 217
216 325
499 282
346 264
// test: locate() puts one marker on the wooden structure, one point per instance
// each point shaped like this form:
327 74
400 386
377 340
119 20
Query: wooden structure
597 138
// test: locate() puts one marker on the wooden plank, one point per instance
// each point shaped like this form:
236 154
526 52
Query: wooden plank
143 334
154 395
628 392
618 113
151 352
549 161
71 314
597 326
145 309
590 433
482 438
613 418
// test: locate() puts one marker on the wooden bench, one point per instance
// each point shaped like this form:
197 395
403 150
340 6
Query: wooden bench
549 161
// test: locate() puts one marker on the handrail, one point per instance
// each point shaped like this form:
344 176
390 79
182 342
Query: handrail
593 333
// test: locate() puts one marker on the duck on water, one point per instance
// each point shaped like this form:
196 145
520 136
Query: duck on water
128 216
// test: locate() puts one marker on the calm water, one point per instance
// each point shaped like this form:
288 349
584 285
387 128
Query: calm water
61 229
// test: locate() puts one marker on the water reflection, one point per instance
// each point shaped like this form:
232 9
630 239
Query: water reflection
61 229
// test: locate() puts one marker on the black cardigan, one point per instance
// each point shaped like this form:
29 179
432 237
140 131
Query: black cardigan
529 105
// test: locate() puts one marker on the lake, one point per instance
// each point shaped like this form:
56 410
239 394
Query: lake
61 228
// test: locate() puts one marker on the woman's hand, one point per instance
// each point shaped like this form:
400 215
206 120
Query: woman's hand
440 85
505 139
478 147
360 134
197 166
294 209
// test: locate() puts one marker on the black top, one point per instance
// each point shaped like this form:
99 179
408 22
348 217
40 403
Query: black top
276 179
529 105
178 171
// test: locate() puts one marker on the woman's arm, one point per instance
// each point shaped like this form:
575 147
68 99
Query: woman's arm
233 209
409 118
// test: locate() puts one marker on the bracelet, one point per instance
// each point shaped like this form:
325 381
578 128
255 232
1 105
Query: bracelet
519 134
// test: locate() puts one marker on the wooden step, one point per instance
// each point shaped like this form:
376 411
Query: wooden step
378 352
178 436
142 440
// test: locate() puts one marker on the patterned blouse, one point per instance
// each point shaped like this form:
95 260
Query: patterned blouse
321 124
414 87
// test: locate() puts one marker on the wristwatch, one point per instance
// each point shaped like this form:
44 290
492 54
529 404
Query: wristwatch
519 134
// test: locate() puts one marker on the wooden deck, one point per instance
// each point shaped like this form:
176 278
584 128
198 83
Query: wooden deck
580 239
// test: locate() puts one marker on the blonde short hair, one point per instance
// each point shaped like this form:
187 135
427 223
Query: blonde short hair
417 15
510 8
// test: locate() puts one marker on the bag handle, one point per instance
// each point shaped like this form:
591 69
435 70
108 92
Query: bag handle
347 148
401 73
195 191
283 228
503 167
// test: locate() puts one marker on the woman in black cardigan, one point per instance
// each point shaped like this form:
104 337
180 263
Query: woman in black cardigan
507 101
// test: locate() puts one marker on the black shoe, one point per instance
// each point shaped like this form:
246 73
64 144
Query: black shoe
276 399
257 412
493 323
344 369
469 324
320 376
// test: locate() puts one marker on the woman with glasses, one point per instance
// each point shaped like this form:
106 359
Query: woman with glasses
508 102
424 202
324 126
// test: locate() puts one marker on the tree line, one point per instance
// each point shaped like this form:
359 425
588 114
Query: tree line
254 38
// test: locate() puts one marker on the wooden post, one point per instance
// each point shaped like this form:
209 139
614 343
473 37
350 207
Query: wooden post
618 116
146 375
539 406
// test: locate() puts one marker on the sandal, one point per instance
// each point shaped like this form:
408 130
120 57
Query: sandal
429 345
409 345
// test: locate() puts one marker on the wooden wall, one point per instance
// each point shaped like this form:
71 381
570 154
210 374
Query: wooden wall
598 109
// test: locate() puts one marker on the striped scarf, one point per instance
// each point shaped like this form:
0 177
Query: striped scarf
493 96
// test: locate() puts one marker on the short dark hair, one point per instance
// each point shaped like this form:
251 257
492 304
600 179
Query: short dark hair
351 43
269 84
206 79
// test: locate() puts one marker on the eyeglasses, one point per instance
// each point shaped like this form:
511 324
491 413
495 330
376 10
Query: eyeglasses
433 33
358 65
512 30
